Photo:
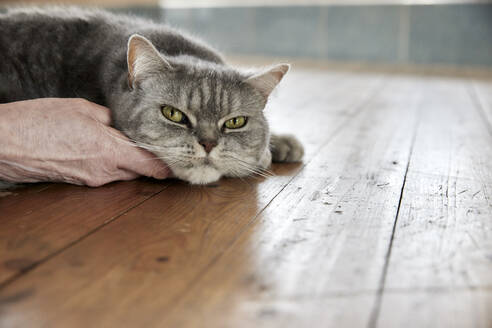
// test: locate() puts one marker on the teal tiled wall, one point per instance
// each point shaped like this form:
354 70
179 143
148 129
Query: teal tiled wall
457 34
416 34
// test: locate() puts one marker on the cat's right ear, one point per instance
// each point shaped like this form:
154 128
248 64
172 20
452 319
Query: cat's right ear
265 81
143 59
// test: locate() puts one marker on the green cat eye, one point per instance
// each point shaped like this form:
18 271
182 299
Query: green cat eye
173 114
236 122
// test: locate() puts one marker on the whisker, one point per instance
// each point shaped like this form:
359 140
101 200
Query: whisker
249 167
172 155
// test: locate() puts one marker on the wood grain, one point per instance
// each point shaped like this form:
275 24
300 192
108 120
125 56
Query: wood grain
456 308
443 237
444 232
40 220
481 93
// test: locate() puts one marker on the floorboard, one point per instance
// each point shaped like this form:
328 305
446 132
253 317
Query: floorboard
481 93
452 308
37 222
443 235
386 223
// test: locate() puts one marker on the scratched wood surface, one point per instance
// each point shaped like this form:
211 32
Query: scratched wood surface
441 254
387 222
481 93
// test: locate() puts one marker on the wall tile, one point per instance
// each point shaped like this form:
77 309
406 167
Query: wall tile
453 34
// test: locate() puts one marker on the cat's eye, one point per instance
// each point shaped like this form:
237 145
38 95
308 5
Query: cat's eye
173 114
236 122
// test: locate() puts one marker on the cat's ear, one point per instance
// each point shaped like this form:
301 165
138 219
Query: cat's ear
267 80
143 59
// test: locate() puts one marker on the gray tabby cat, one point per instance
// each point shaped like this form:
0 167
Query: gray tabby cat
167 92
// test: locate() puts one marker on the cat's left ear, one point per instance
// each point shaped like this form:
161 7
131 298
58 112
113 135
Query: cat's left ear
143 59
267 80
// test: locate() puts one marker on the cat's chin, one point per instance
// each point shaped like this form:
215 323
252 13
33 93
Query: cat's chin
198 175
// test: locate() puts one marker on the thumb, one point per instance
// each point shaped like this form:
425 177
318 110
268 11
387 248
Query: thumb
132 158
143 162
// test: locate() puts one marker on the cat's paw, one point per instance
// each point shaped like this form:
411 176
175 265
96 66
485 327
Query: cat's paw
286 148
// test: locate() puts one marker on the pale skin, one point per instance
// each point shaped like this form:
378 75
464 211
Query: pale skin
68 140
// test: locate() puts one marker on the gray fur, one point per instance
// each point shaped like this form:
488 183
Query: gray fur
68 52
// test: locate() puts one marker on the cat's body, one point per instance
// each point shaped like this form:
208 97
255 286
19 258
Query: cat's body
67 52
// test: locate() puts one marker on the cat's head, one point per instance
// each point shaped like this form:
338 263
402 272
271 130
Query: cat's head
204 120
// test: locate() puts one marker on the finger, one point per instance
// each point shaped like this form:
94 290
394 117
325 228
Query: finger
115 175
142 162
126 175
130 157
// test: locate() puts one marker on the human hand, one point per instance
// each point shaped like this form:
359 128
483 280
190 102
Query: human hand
68 140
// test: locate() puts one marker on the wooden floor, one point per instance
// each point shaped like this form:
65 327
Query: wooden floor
386 223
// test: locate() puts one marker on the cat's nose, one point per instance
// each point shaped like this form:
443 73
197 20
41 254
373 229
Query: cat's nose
208 145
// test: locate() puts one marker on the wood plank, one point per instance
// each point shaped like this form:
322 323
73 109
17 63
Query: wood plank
19 190
329 311
455 308
316 253
443 237
312 100
147 258
37 221
452 133
481 93
444 233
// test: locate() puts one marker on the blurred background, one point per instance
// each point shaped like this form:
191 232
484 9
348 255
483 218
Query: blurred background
395 32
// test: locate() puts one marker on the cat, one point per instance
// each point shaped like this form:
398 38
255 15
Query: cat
168 92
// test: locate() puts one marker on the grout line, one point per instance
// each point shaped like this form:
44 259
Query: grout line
403 34
373 319
357 110
72 243
478 105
